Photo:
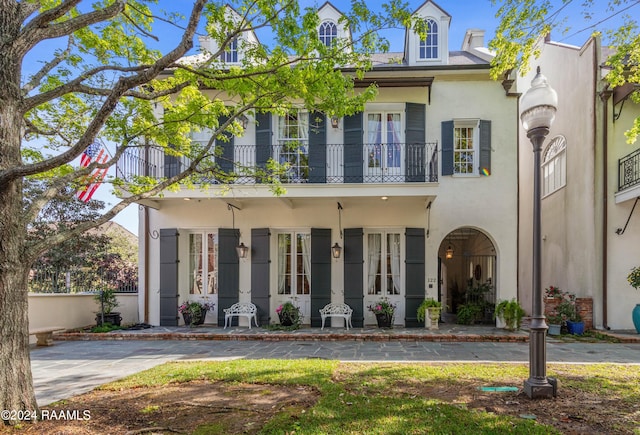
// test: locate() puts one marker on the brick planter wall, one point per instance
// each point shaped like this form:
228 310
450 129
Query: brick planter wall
585 309
550 305
583 305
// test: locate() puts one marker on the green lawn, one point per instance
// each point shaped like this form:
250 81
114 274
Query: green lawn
414 398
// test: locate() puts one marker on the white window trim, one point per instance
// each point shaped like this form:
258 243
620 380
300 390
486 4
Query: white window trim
385 111
277 120
383 232
223 55
273 253
555 150
475 124
329 21
204 252
439 45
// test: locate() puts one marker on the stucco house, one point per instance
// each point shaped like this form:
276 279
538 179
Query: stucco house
591 183
420 192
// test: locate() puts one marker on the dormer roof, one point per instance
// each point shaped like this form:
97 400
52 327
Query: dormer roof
434 50
328 12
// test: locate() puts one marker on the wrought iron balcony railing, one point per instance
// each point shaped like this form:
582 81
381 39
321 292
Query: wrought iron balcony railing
629 170
331 163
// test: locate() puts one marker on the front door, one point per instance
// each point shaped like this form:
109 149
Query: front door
294 272
383 153
383 273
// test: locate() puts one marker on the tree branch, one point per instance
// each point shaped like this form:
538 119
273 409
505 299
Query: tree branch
88 90
32 128
123 85
50 15
140 29
72 85
44 244
37 78
32 34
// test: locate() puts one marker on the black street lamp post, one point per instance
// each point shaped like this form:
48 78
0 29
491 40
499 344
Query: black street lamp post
538 108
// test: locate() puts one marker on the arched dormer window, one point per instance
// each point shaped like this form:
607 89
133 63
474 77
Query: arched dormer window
554 166
328 33
429 45
230 54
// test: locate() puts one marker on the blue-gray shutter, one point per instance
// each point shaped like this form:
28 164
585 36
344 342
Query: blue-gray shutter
415 136
320 272
228 271
353 148
485 146
260 265
414 274
225 159
263 139
169 276
447 148
353 274
171 165
317 147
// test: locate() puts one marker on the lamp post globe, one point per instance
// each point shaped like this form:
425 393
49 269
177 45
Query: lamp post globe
539 104
537 111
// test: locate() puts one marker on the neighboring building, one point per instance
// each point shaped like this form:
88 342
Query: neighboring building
591 182
431 164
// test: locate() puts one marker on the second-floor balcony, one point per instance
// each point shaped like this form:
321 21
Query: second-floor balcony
330 163
629 171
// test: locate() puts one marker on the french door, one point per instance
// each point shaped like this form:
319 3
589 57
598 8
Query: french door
383 272
293 146
203 270
384 150
294 272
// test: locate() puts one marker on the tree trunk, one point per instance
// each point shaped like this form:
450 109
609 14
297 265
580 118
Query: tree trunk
16 385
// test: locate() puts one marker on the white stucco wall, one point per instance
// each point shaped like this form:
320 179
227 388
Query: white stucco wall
486 203
571 216
71 311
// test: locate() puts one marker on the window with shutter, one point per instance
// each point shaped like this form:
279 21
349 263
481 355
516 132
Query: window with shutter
466 147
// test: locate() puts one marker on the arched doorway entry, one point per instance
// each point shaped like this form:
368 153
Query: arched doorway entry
467 267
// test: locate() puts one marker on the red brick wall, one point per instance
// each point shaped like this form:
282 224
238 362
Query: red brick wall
583 305
585 309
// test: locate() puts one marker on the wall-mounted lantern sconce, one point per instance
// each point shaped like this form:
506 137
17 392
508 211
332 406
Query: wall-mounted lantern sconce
244 121
449 253
334 121
336 250
242 250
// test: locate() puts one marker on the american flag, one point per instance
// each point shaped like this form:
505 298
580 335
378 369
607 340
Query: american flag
88 154
94 152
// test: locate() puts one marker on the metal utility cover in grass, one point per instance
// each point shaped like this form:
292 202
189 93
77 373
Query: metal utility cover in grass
498 389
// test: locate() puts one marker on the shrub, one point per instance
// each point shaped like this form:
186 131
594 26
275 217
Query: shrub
469 313
511 313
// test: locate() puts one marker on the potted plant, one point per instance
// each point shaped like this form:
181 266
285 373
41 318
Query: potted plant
429 313
289 315
511 313
634 280
567 309
554 321
384 310
194 312
107 300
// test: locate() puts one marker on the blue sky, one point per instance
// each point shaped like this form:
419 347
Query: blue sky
466 14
